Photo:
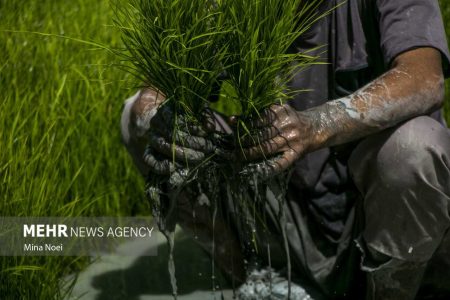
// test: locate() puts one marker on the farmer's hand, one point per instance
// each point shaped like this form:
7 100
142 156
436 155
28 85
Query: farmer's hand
413 86
149 134
175 141
277 138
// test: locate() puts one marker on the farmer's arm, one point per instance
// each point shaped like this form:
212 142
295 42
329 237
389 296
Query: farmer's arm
413 86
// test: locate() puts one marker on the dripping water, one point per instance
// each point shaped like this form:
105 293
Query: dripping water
213 246
280 192
286 247
270 268
166 225
170 236
243 198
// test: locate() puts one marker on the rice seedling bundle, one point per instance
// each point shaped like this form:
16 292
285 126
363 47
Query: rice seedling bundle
181 47
261 64
175 47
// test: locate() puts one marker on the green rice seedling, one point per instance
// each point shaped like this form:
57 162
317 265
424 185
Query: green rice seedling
175 47
261 63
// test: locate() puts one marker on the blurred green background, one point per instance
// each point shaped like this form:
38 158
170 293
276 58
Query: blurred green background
60 148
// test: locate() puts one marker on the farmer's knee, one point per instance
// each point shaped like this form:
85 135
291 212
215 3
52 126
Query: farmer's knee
130 134
125 121
403 175
418 150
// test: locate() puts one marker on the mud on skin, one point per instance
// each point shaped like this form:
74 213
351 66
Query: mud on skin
413 87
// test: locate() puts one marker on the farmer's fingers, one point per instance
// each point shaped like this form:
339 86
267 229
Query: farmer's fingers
158 165
184 139
180 123
194 142
273 166
265 149
267 117
282 163
256 137
180 134
166 121
208 123
189 127
180 137
181 154
214 122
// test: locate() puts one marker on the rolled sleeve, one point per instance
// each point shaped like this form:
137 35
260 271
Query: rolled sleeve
410 24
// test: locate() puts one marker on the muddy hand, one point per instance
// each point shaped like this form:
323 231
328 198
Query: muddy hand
413 86
275 140
176 143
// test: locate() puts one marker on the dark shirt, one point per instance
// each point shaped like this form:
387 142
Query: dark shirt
358 41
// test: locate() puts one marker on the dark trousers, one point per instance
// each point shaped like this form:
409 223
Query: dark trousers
403 177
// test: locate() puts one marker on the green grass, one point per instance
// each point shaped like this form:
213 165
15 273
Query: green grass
445 8
60 149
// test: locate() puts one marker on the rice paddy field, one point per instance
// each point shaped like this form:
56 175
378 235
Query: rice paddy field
60 147
60 150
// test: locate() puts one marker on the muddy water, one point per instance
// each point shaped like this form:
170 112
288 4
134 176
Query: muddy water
246 197
171 263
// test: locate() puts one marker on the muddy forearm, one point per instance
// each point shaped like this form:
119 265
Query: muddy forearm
408 90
